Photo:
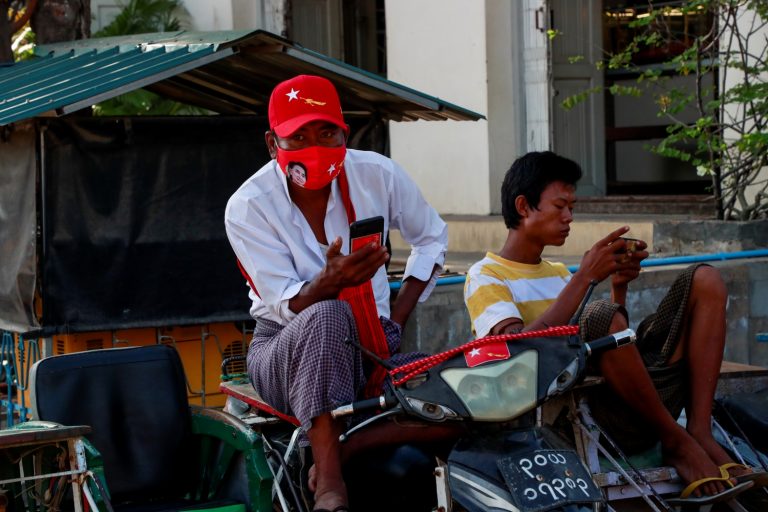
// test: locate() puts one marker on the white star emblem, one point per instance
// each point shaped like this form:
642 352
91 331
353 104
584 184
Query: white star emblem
331 168
293 95
474 352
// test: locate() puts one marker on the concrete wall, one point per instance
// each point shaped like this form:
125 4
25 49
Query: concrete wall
439 46
442 321
210 14
488 56
507 92
673 238
236 15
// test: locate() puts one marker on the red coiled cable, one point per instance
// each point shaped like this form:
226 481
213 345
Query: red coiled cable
416 367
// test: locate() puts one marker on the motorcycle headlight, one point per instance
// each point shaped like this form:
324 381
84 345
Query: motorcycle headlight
497 391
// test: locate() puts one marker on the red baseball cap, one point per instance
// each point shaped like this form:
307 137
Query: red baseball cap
302 99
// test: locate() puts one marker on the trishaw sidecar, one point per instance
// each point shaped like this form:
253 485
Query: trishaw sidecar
147 450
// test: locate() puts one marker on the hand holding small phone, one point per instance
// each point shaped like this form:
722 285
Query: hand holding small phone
366 231
362 262
628 259
632 245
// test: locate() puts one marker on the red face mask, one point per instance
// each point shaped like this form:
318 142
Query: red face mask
313 167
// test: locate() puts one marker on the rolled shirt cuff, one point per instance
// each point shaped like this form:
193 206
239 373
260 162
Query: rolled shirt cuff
284 310
422 267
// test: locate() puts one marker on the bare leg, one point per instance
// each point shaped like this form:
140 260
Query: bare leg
329 488
702 343
388 433
625 372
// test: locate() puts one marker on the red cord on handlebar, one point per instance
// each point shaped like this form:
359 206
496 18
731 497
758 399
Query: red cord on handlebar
416 367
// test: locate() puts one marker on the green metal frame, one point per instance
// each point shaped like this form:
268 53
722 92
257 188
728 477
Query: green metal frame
236 437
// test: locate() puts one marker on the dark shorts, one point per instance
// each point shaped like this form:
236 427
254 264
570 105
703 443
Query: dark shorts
658 335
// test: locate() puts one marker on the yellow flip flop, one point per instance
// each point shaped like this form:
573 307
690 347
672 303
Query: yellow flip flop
698 483
727 495
759 478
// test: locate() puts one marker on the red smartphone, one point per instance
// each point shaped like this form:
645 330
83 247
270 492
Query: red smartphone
366 231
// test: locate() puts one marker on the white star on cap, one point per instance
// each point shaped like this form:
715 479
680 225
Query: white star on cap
331 168
474 352
293 95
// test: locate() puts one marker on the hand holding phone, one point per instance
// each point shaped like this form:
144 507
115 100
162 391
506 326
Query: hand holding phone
366 231
632 245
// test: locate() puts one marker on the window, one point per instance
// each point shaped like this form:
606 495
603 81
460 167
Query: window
632 123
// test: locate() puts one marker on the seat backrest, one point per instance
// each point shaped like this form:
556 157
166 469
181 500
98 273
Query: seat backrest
136 402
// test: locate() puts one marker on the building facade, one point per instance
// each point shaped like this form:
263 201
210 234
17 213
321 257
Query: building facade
513 61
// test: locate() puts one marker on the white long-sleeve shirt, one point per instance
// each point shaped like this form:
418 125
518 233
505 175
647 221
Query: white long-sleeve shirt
278 250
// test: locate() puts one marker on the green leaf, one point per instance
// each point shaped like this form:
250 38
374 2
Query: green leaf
143 16
553 33
580 97
625 90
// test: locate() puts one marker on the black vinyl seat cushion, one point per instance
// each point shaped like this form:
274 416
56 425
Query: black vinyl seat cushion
135 400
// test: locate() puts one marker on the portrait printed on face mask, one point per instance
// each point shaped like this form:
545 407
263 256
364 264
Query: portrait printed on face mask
297 173
313 167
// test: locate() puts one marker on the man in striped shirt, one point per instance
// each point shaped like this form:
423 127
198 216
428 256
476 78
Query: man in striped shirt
676 361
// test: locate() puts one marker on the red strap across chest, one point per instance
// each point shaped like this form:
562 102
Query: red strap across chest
363 303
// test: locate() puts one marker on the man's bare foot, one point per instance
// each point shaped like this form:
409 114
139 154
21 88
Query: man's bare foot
312 478
331 499
691 461
716 452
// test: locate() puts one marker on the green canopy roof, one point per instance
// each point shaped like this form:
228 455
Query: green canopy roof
229 72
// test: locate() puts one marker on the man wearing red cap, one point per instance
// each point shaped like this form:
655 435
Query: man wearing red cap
289 227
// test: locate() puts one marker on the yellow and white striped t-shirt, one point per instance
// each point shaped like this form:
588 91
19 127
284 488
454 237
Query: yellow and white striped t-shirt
497 289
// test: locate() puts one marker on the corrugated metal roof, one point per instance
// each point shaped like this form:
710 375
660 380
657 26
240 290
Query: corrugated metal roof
227 72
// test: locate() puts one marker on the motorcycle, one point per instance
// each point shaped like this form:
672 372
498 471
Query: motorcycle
504 461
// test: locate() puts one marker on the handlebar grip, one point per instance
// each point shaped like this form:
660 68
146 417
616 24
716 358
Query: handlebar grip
610 342
378 402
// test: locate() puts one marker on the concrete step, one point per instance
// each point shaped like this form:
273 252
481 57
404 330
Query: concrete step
692 206
740 378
